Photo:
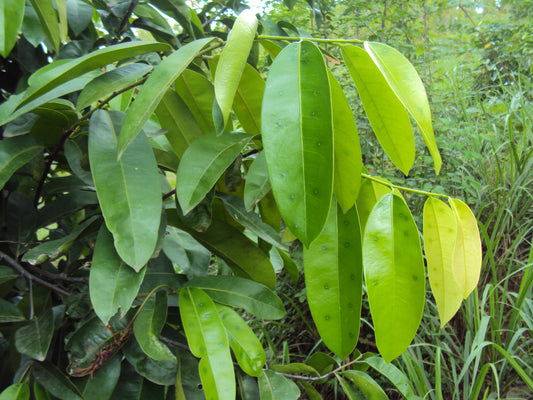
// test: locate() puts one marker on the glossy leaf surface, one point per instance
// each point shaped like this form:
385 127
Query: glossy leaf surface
407 85
384 110
208 340
33 339
14 153
243 293
11 15
113 285
203 164
233 59
128 189
257 182
394 275
273 387
440 235
333 268
155 88
243 341
297 125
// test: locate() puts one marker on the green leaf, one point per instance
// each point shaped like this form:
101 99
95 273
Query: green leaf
175 116
34 338
242 293
248 100
249 219
17 391
394 275
257 182
233 59
297 125
129 191
9 312
468 253
208 340
289 265
21 222
155 88
7 274
395 375
368 386
113 285
40 393
198 93
49 23
203 163
333 273
61 8
53 380
148 325
79 15
11 16
100 385
109 82
160 271
440 235
407 85
274 387
245 345
369 194
348 161
14 153
182 249
58 72
384 110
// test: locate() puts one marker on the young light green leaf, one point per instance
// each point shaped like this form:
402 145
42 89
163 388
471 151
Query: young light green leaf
109 82
49 23
348 161
233 59
14 153
203 163
257 182
129 191
274 387
208 340
61 71
242 293
364 382
148 325
155 88
440 235
369 194
9 312
34 338
385 112
407 85
11 16
175 116
468 254
297 125
17 391
113 285
394 275
245 345
333 273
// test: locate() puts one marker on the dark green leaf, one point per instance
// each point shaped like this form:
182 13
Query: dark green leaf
33 339
160 271
14 153
132 386
9 312
100 385
182 249
7 274
257 183
53 380
79 15
21 221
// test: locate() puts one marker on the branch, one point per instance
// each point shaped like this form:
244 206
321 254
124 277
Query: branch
31 277
318 378
57 277
208 22
169 194
127 17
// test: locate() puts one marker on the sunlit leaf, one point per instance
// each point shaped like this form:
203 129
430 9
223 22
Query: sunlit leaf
11 16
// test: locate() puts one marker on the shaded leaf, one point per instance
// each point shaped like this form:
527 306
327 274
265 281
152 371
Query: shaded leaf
160 271
79 15
182 249
10 312
257 182
14 153
53 380
11 15
100 385
34 338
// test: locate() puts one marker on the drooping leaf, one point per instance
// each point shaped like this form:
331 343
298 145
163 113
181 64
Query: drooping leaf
333 268
273 387
242 255
33 339
245 345
233 59
203 163
297 125
49 22
242 293
208 340
17 391
11 16
148 325
182 249
105 84
14 153
394 275
113 285
155 88
79 15
101 384
440 235
257 182
384 110
368 386
369 194
9 312
407 85
348 162
128 189
393 374
40 393
54 381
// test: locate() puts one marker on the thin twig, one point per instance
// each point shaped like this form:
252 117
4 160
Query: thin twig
31 277
127 17
317 378
208 22
56 277
169 194
173 343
